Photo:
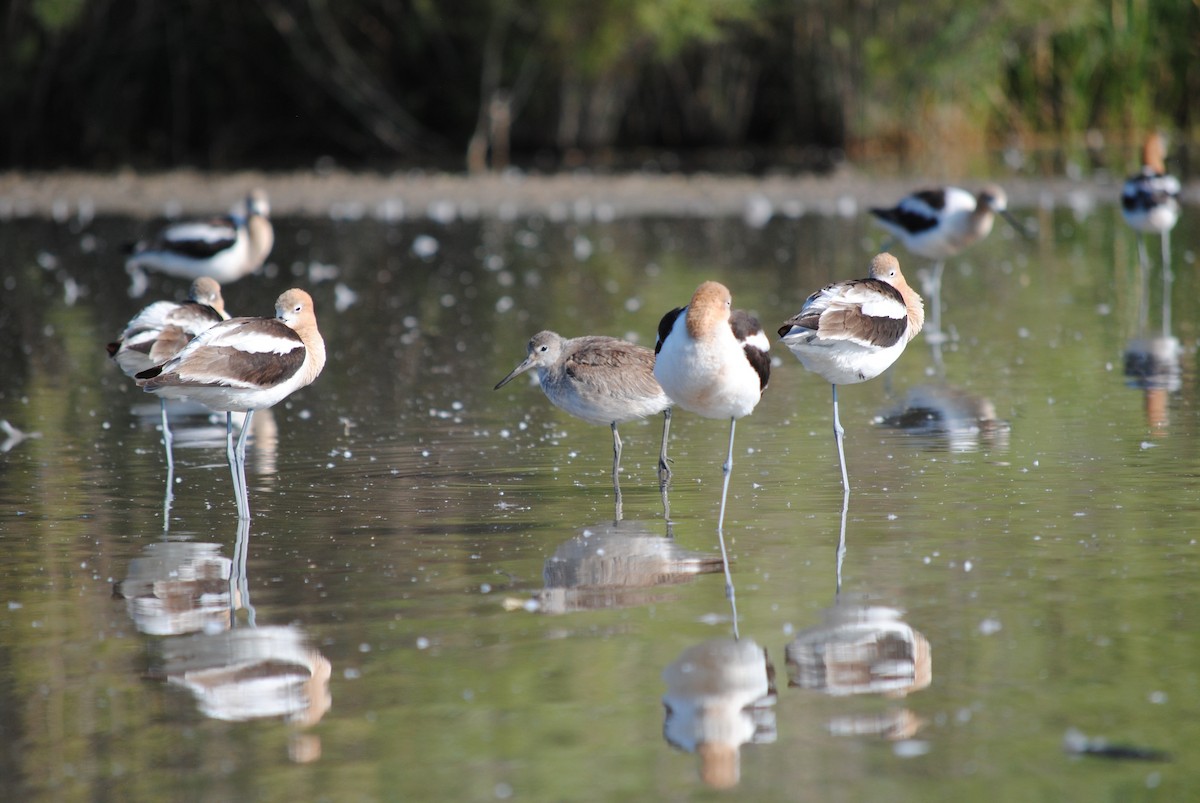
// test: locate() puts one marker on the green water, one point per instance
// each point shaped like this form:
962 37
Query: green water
407 517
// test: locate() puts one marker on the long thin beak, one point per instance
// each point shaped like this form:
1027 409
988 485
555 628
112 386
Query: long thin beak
1016 224
520 369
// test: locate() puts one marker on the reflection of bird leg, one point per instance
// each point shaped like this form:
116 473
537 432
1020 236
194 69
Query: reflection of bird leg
168 496
666 502
936 291
733 614
1143 255
1168 278
1143 301
618 513
933 289
239 583
167 439
841 547
939 362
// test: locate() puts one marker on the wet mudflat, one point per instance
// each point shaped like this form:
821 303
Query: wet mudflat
432 599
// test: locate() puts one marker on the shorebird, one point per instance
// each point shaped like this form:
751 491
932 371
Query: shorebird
601 380
243 365
225 248
852 331
1150 204
161 330
712 360
940 223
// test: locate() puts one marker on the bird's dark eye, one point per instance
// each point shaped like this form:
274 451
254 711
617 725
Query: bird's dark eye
543 348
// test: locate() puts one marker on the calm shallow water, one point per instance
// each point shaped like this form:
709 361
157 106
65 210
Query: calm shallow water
432 600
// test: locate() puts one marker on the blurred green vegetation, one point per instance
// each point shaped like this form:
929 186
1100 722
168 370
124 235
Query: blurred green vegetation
548 83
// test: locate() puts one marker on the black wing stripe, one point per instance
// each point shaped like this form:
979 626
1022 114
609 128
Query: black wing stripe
665 326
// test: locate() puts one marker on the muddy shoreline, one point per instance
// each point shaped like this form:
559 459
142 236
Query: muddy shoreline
61 195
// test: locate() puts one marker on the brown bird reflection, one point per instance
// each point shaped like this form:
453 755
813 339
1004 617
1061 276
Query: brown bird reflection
1152 365
894 725
1152 358
178 587
616 565
250 673
860 650
720 695
236 673
964 420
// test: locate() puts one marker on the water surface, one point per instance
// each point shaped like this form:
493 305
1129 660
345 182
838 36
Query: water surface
432 600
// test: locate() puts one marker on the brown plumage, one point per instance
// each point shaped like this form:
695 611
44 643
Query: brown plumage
601 380
162 330
853 331
243 365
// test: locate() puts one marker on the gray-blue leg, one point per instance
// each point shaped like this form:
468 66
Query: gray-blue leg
618 512
664 470
1168 279
838 436
231 455
244 501
239 581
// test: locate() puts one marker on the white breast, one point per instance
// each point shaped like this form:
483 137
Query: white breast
709 377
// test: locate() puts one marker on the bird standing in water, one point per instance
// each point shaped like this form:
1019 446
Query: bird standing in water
1150 204
243 365
852 331
712 360
601 380
161 330
940 223
225 248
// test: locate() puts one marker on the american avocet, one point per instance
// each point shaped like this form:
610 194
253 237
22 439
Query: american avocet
225 248
601 380
852 331
1150 199
713 361
243 365
161 330
940 223
1150 204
